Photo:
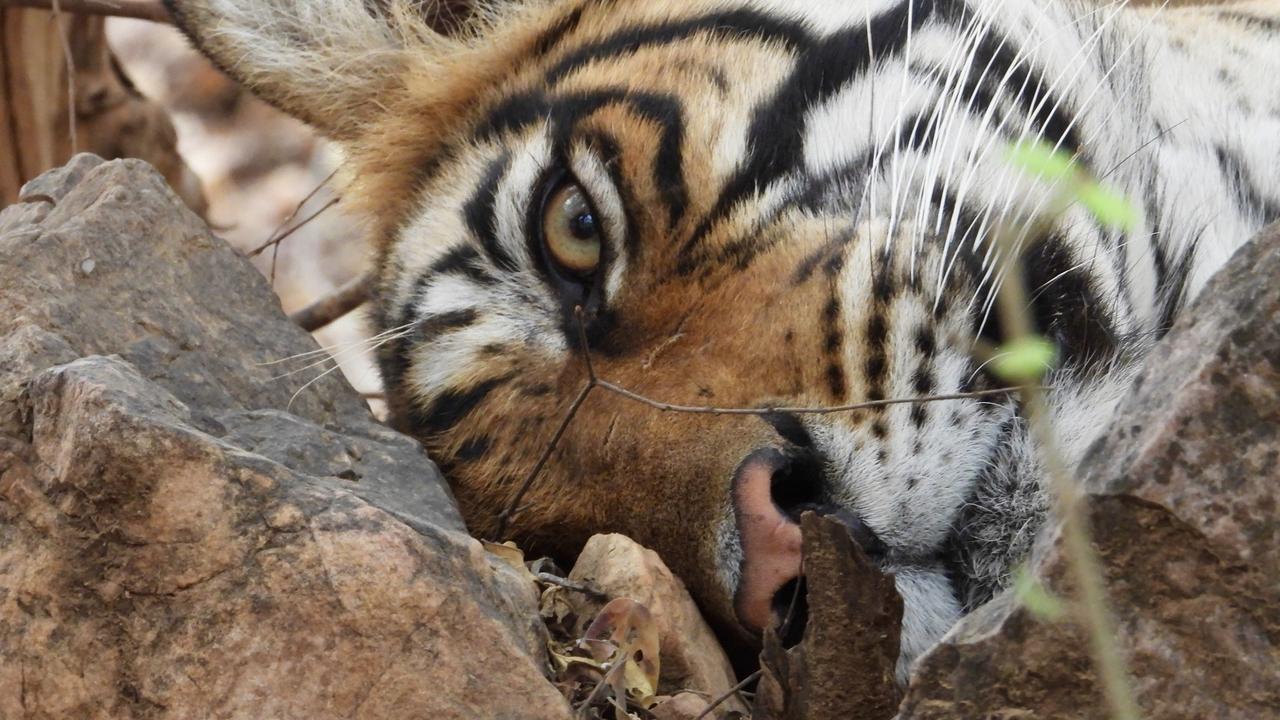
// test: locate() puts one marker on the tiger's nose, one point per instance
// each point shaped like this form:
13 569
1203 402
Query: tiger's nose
770 538
770 491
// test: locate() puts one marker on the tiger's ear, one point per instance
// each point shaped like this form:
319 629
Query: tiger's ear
330 63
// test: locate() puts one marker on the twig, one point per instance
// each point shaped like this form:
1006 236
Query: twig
787 619
137 9
605 681
510 510
720 700
333 306
276 240
1083 564
587 589
868 405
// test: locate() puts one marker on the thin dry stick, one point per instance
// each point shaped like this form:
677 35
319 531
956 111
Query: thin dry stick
275 240
56 19
513 507
1082 560
580 587
606 681
138 9
333 306
867 405
510 510
723 697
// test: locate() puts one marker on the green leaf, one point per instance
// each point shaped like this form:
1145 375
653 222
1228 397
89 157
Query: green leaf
1035 597
1108 207
1024 359
1040 158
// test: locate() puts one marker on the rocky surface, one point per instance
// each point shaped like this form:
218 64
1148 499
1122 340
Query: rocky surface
187 531
1183 496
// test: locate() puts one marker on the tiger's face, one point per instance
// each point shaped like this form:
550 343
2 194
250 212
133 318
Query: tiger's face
720 203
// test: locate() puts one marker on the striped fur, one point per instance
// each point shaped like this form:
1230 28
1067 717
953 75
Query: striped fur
799 199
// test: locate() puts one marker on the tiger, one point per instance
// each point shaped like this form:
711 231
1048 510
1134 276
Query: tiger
776 206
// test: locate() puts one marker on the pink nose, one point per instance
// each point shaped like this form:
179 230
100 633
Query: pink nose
771 547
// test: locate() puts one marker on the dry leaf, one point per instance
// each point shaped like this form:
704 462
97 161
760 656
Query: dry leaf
511 554
629 626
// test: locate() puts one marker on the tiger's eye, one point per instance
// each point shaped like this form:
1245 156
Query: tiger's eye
571 232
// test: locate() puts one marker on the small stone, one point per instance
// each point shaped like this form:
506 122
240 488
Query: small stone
684 706
87 265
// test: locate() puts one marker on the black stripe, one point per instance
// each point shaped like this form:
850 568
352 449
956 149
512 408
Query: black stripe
791 429
609 151
478 213
1253 22
552 37
513 113
473 449
1050 114
431 328
450 407
461 260
745 24
567 110
1174 286
1249 198
776 135
1066 306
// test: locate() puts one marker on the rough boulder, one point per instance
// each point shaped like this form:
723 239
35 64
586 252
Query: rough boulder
188 532
1183 495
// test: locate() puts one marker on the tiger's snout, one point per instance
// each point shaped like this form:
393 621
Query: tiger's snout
771 489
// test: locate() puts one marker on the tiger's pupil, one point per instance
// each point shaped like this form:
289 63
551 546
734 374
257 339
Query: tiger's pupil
583 226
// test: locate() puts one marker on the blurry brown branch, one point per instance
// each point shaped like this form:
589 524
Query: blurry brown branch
138 9
73 136
334 305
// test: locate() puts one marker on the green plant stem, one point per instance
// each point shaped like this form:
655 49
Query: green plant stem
1083 564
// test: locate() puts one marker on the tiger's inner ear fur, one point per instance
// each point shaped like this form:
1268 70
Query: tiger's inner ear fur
330 63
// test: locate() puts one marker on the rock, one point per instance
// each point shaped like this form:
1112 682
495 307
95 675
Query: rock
163 293
1183 505
175 541
684 706
845 664
691 657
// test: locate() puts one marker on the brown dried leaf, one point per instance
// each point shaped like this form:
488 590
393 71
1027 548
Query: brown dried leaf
511 554
629 626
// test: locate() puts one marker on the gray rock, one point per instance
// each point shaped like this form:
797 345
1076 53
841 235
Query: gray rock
181 534
119 266
1183 506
